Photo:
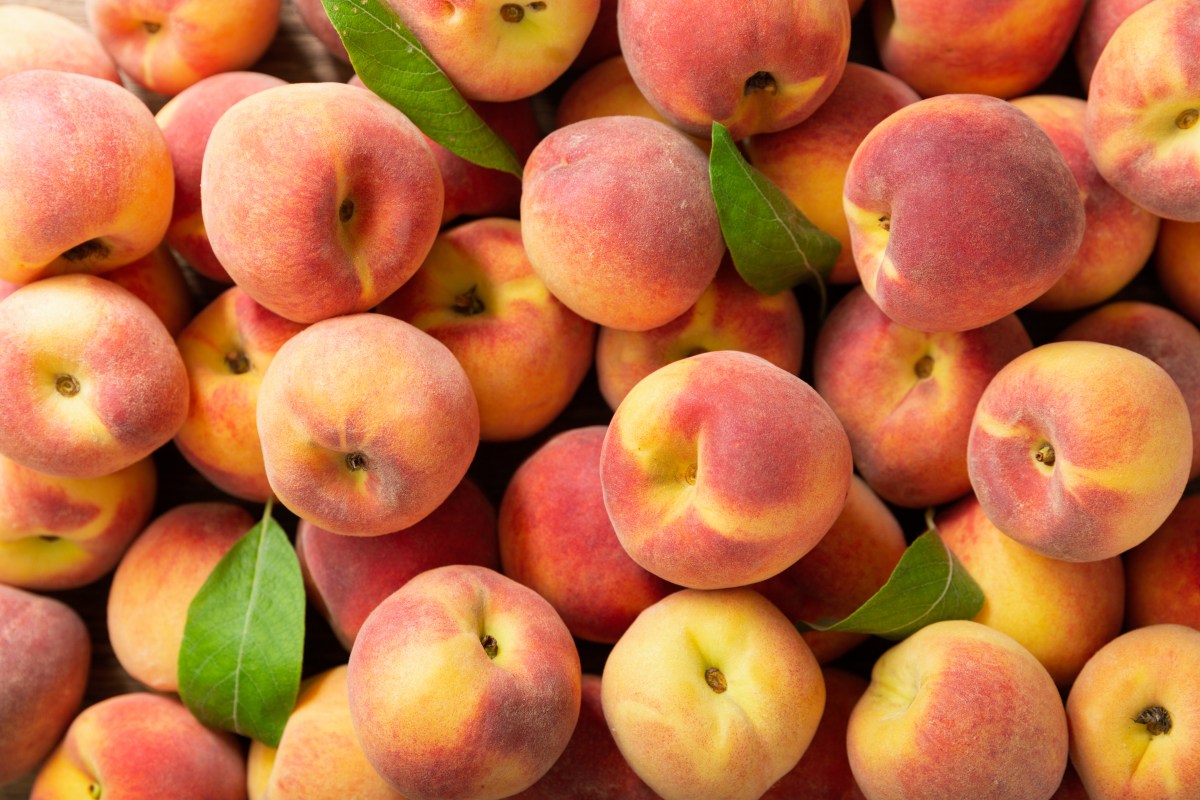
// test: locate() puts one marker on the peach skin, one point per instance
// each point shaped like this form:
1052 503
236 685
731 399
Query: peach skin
1100 18
158 282
34 38
1162 574
1177 265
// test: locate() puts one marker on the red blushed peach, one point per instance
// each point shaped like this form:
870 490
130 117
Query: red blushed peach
367 424
80 191
319 184
853 560
33 38
1160 335
524 352
730 315
1118 236
142 745
722 470
906 398
227 349
1002 48
1100 18
157 580
556 538
348 576
1177 263
91 379
1163 573
809 161
312 13
168 45
478 700
44 657
1071 787
187 121
1060 612
158 282
938 247
61 533
619 221
755 69
603 42
1080 450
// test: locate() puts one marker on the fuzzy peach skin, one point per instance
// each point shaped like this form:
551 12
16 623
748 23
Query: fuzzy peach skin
135 746
712 694
158 282
1161 335
603 41
227 349
62 533
1080 450
853 560
168 45
1143 111
319 184
1177 264
906 398
960 710
1059 611
1100 18
91 379
318 757
524 352
312 13
478 700
45 653
34 38
809 161
730 315
722 470
755 69
187 121
157 580
556 538
1133 716
348 576
1000 48
1163 573
618 220
367 424
940 247
85 176
1118 235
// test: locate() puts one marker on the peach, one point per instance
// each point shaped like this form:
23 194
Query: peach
1143 104
906 398
367 424
348 576
556 538
730 315
1177 263
158 282
85 176
319 184
1118 236
156 581
524 352
61 533
1080 450
92 380
754 69
941 247
1100 18
312 13
603 42
853 560
1132 711
227 349
168 45
712 694
722 470
809 161
619 221
478 701
45 653
961 47
1071 787
34 38
1163 573
187 121
142 745
1059 611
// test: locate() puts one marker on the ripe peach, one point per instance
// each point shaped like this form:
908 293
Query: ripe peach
34 38
1163 573
158 282
312 13
1177 263
1100 18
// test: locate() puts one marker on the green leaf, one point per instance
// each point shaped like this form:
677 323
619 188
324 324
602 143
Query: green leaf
243 643
928 585
773 245
393 64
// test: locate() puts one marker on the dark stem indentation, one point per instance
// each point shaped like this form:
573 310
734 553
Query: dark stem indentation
536 6
45 537
92 248
1187 118
715 680
356 461
885 222
511 12
237 362
1156 719
760 82
924 367
66 385
346 210
152 27
490 645
468 303
94 790
1045 455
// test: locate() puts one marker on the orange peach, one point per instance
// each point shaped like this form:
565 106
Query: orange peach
1080 450
158 282
1163 573
34 38
1100 18
1177 263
